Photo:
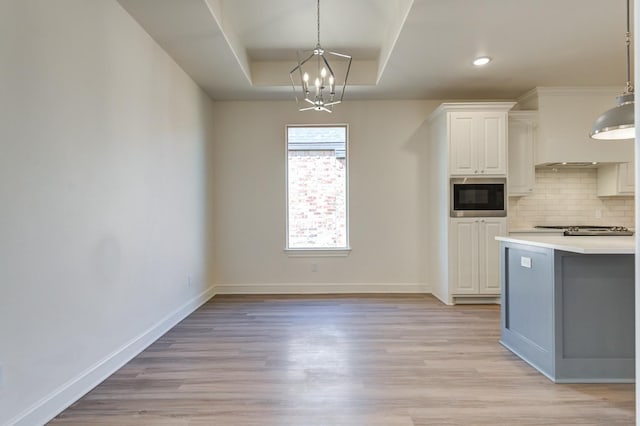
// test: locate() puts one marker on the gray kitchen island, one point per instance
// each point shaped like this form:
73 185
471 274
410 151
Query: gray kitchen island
568 306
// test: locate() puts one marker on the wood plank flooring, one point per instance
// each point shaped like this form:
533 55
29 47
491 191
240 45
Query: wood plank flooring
340 360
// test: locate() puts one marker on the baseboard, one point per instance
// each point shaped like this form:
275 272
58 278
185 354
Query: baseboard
470 300
445 300
53 404
318 288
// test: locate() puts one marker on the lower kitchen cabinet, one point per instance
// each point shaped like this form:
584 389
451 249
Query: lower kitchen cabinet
474 256
568 314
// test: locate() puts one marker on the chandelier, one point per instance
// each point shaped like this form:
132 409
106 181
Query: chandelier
317 79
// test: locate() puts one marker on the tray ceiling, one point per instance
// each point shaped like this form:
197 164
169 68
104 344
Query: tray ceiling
402 49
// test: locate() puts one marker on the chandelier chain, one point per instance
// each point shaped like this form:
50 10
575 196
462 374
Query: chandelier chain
318 15
628 43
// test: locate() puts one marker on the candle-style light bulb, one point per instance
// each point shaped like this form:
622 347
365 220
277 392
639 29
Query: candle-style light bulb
317 86
323 72
305 82
332 82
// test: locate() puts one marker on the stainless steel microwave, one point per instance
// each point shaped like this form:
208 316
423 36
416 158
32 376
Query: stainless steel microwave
478 197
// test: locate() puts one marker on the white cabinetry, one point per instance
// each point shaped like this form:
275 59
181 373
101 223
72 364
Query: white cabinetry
522 136
465 139
474 255
616 179
478 142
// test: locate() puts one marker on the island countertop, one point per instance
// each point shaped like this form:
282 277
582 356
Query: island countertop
578 244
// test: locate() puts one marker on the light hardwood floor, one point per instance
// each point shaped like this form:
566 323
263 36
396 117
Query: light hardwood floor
340 360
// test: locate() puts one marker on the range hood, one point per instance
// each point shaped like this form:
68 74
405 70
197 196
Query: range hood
565 117
571 165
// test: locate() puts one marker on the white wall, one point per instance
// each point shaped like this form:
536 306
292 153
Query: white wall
387 148
103 141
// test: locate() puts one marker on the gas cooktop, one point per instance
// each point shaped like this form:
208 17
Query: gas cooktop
589 230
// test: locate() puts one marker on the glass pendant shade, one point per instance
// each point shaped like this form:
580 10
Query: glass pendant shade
618 122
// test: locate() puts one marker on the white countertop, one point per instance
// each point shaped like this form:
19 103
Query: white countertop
583 245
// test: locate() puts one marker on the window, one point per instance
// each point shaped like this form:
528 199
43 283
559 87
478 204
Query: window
317 190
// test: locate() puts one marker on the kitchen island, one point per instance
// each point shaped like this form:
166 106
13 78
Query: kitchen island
568 306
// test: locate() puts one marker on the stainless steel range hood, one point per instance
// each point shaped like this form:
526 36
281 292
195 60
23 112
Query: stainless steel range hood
570 165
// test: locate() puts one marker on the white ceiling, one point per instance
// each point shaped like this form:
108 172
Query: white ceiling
402 49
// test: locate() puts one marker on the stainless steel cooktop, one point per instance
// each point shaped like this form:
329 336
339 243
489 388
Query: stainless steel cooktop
590 230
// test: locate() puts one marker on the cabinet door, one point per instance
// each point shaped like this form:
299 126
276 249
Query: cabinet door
616 180
522 134
489 254
491 142
463 265
462 144
626 178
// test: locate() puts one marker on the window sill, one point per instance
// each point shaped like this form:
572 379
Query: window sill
312 252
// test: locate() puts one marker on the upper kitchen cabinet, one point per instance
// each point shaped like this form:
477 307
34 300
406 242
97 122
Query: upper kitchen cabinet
522 136
565 117
476 135
616 180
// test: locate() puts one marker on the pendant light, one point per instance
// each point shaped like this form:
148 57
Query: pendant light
619 121
318 79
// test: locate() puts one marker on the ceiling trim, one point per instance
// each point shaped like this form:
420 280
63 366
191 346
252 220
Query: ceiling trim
395 28
578 90
276 73
237 49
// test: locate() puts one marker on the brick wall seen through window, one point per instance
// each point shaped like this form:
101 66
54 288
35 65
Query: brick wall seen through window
317 187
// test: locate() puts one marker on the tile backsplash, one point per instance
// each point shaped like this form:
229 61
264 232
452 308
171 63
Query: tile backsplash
568 197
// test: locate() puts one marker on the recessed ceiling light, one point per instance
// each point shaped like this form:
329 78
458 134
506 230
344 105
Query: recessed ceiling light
483 60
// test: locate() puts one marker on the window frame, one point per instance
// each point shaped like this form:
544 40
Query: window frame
316 251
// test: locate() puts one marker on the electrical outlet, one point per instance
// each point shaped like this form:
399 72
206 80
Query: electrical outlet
189 281
598 214
1 377
314 267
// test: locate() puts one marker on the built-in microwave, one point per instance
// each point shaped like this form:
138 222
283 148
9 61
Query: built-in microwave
477 197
